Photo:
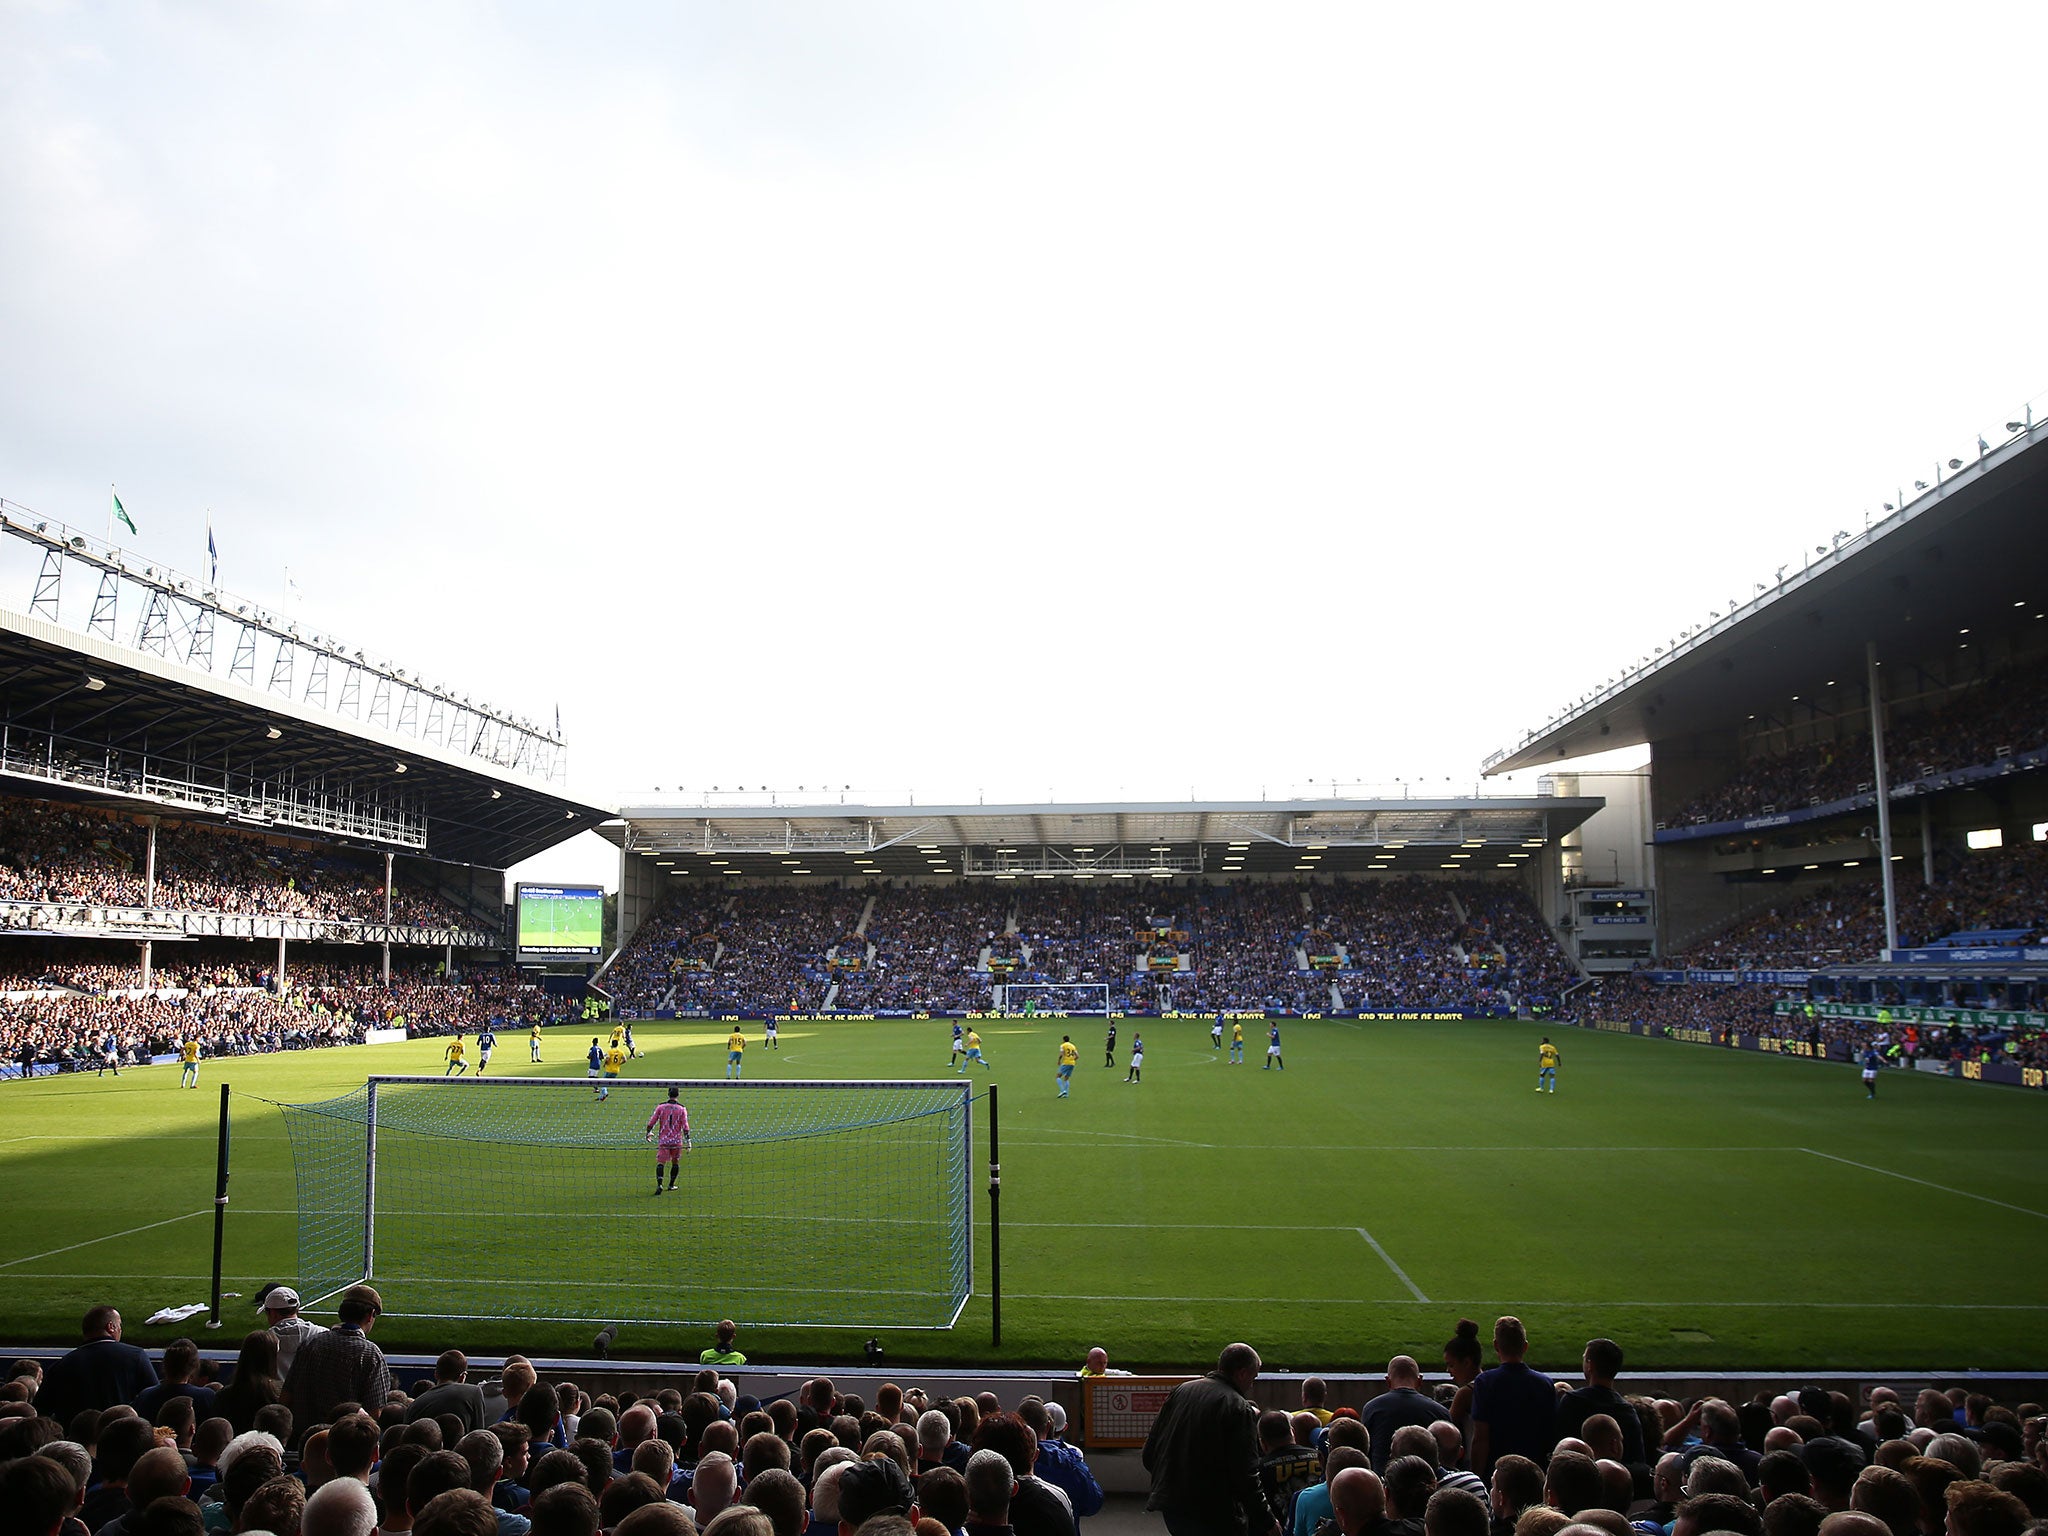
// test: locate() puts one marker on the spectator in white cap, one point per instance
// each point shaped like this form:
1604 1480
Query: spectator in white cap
280 1304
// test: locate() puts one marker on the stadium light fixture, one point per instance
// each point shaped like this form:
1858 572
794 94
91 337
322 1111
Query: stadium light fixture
271 733
496 795
93 684
398 767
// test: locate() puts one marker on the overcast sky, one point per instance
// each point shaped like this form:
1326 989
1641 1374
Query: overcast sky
1024 401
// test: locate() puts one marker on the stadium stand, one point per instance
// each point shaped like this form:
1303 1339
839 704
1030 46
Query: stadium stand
321 1004
52 852
1998 889
1235 946
679 1455
1969 727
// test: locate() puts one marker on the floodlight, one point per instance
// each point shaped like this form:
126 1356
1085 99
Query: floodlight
94 684
2010 426
1919 485
1955 463
1889 507
398 767
271 733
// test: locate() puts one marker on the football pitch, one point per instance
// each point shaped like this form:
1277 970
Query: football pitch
561 921
1706 1208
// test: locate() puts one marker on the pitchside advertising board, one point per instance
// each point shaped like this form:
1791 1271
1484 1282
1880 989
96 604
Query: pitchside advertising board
558 922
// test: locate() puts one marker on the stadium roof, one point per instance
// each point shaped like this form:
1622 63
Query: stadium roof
107 704
1099 839
1961 564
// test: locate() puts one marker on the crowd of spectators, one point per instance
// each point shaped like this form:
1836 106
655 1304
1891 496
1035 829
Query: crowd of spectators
57 853
927 941
331 1443
318 1005
2003 714
1995 889
1723 1012
1233 946
1511 1451
315 1435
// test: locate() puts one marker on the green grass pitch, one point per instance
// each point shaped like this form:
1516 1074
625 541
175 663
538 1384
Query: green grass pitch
557 921
1707 1208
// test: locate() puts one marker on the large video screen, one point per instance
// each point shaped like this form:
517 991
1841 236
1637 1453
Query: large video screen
559 922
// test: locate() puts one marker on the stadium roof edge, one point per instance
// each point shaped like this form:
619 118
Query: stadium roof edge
1098 839
1979 525
477 812
794 812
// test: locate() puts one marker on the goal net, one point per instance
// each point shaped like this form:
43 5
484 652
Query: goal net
1053 997
824 1204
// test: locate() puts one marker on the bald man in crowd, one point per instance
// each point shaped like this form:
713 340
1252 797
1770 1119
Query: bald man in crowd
1358 1501
1404 1402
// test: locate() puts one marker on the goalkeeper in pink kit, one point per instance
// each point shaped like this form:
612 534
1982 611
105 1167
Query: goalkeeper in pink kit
669 1129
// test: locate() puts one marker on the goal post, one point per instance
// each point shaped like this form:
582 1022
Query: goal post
800 1203
1053 997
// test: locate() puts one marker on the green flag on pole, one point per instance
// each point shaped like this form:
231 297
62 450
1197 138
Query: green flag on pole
122 513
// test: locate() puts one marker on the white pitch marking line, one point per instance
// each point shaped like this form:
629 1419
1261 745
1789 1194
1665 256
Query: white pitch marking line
1926 1183
110 1237
1400 1274
1366 1301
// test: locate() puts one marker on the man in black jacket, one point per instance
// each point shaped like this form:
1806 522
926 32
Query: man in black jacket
99 1373
1203 1453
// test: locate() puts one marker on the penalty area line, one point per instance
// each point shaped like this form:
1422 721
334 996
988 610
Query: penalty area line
110 1237
1946 1189
1386 1258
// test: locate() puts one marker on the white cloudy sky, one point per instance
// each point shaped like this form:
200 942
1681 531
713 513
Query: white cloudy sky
1028 400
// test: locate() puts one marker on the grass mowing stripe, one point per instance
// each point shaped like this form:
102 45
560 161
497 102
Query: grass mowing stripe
1386 1258
1329 1301
108 1238
1926 1183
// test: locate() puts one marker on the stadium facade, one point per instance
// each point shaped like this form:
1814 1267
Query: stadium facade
1874 711
152 704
